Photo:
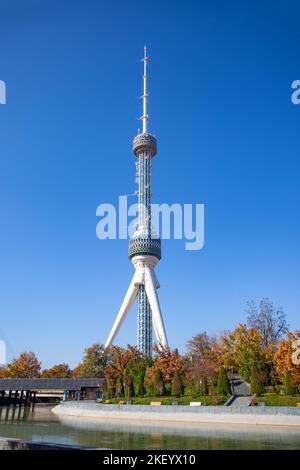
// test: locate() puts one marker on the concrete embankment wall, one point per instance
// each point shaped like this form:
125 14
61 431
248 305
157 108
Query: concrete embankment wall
277 416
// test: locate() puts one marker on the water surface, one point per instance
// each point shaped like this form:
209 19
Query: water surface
41 424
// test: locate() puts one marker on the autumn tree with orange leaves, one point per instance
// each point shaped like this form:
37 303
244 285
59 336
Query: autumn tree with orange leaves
58 370
287 357
25 366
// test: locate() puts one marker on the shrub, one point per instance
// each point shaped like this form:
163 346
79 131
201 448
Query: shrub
255 384
158 383
128 388
110 390
223 387
287 383
138 385
176 389
119 388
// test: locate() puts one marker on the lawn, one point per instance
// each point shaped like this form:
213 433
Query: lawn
279 400
168 400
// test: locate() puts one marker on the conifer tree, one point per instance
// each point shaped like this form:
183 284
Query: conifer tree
158 383
223 387
255 384
176 389
287 382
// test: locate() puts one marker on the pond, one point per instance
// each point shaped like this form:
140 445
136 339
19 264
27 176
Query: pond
40 424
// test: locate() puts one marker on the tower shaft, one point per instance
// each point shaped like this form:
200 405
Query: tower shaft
144 248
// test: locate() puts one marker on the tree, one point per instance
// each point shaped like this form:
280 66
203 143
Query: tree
223 387
168 362
255 384
138 383
119 388
158 383
149 381
79 370
242 349
25 366
110 390
287 359
58 370
176 389
202 362
128 387
269 321
3 372
125 365
287 382
94 361
199 345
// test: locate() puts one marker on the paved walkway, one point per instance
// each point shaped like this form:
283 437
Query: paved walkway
241 388
240 401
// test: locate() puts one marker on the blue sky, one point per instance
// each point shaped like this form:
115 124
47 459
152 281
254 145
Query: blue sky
228 137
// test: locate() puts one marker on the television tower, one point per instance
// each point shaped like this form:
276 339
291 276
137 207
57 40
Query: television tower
144 246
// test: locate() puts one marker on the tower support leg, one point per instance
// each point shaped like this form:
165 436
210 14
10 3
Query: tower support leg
125 307
150 285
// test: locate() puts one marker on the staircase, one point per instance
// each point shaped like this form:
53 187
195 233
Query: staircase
241 388
240 401
241 391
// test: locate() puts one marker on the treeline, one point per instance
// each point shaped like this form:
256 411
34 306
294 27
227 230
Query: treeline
262 351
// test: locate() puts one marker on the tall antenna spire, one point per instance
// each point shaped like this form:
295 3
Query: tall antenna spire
145 116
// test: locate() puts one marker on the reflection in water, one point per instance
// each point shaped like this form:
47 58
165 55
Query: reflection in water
41 424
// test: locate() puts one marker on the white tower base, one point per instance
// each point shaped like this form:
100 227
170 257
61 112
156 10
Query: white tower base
144 274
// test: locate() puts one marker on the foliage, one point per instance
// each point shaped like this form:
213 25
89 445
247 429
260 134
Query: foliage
269 321
110 390
223 387
158 383
138 384
242 349
279 400
25 366
199 345
183 400
126 367
168 362
202 363
94 361
128 387
177 387
119 388
255 384
58 370
284 357
149 381
287 382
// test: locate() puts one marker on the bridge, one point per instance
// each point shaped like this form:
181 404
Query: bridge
21 391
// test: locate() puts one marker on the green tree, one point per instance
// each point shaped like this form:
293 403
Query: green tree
149 381
158 383
110 390
176 389
94 361
119 388
287 382
223 387
128 387
256 386
138 383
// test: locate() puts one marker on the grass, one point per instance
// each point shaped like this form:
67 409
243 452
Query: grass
271 399
168 400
